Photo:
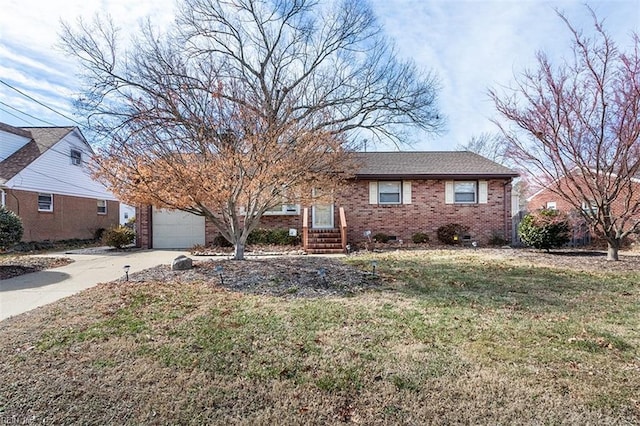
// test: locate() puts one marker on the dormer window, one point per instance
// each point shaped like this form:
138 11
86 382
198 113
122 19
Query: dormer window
76 157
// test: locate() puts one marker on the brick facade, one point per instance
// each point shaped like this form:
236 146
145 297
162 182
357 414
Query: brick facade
72 217
426 213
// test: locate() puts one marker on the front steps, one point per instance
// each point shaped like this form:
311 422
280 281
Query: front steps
324 241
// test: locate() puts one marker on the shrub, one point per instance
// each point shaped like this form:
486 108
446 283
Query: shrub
381 238
220 241
118 236
98 233
278 237
497 240
544 229
11 229
447 233
420 238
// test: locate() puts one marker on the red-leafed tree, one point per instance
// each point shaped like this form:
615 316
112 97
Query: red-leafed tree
243 104
575 128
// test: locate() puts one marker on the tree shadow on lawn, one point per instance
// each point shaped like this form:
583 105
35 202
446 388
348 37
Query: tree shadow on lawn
501 286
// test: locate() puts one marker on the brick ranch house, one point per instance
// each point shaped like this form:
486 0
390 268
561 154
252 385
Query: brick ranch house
395 193
44 180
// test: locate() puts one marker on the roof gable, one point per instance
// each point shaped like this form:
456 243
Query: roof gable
425 164
41 140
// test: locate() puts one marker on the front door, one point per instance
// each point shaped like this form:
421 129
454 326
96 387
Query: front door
322 216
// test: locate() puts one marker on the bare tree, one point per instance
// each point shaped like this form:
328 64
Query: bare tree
576 127
243 104
490 145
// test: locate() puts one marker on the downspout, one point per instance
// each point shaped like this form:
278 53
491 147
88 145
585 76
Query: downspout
507 226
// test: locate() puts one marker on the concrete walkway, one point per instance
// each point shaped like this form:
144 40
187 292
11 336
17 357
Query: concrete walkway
25 292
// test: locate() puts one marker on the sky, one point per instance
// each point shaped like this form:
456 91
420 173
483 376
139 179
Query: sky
471 45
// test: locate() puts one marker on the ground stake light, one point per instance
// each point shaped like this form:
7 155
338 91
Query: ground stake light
374 263
218 269
126 271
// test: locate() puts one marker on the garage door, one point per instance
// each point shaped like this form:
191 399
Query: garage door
174 229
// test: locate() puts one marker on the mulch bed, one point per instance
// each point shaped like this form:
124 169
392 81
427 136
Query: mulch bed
282 276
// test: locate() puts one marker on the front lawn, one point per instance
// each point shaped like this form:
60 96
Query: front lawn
443 337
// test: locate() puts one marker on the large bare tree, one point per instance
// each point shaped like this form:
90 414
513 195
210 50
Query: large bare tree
575 127
243 104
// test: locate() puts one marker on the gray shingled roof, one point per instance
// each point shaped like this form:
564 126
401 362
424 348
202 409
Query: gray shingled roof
42 139
434 164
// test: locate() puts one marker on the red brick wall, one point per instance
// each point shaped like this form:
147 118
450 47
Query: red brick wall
541 199
72 217
427 212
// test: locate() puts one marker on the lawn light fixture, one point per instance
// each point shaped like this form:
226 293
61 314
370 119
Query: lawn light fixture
374 263
322 273
474 244
218 270
126 271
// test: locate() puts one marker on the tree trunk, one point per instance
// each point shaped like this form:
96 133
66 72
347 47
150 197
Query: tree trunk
612 250
238 252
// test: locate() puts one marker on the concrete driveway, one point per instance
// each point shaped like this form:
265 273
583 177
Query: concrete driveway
25 292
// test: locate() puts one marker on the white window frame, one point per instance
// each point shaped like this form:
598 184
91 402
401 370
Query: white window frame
76 160
383 182
285 209
552 205
590 207
43 194
374 194
475 191
104 205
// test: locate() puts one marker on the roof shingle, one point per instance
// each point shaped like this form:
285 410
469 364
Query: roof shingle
433 164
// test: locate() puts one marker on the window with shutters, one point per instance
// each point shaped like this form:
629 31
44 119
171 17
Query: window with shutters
390 192
466 192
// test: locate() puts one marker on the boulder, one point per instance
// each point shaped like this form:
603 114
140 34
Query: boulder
181 263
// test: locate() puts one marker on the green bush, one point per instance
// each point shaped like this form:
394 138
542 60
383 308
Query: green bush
11 229
420 238
544 229
447 233
118 236
278 237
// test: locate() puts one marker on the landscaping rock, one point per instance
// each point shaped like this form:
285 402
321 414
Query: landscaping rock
181 263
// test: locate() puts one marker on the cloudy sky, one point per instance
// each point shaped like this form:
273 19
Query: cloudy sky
470 44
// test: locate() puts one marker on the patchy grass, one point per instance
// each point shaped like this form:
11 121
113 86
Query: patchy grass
452 337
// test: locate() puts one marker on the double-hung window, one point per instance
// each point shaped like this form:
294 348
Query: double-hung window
45 202
76 157
465 191
389 192
102 206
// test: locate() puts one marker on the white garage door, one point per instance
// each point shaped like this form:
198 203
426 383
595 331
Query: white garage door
174 229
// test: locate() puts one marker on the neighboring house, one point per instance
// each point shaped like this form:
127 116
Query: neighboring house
395 193
44 180
127 213
547 198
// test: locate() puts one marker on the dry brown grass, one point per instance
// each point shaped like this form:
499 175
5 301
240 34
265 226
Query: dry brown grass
452 338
